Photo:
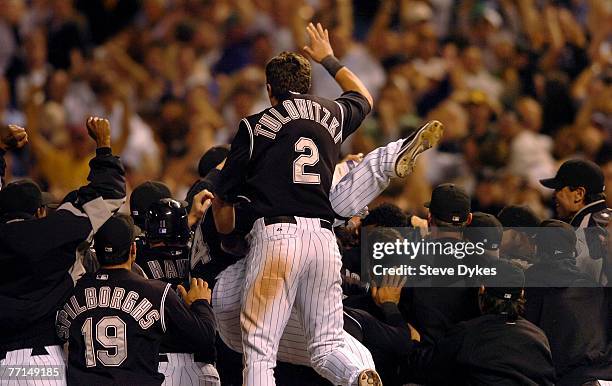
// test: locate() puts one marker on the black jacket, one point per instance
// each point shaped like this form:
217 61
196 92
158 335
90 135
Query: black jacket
574 318
592 257
36 254
485 351
388 340
448 300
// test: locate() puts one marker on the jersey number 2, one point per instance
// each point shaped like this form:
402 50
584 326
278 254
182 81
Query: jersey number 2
299 175
110 333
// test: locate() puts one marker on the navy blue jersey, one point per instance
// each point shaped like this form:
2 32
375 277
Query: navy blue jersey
115 320
167 263
282 159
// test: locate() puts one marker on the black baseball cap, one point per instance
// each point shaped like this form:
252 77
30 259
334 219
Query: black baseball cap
485 228
143 196
556 240
23 196
449 203
507 283
577 172
213 157
114 239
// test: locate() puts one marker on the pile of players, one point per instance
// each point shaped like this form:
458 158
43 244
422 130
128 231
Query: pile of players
131 295
523 332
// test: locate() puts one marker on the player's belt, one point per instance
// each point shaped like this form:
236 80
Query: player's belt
187 357
291 220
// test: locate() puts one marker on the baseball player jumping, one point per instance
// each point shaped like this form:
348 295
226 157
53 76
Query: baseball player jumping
355 186
282 160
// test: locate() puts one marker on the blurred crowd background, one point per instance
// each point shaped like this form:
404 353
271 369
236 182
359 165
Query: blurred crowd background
521 85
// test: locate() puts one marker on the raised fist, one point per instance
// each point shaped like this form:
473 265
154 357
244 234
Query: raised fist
99 130
12 137
201 202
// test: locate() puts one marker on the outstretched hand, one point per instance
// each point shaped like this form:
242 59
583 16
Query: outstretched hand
389 291
198 290
320 46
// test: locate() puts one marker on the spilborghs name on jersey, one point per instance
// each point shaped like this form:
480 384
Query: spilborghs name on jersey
297 108
105 297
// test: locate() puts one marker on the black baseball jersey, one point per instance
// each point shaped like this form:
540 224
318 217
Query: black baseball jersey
115 320
171 265
167 263
282 159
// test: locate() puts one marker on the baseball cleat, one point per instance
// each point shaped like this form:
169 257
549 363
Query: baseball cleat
369 378
419 141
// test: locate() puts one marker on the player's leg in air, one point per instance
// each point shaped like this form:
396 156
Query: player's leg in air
362 183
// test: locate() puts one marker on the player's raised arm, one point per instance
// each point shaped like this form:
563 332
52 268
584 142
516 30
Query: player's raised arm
83 210
320 51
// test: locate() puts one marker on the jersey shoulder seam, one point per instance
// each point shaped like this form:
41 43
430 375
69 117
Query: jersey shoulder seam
250 130
341 120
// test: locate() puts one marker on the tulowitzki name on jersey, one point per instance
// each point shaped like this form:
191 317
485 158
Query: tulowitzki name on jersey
105 298
298 108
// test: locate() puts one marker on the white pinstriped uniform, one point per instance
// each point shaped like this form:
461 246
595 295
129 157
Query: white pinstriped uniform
314 260
23 357
364 181
292 347
294 264
181 370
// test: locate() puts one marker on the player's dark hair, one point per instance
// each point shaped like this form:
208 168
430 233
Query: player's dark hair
287 72
493 305
384 235
590 197
386 215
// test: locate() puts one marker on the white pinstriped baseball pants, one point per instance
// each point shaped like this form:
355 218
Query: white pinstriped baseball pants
355 186
294 264
182 370
292 345
23 357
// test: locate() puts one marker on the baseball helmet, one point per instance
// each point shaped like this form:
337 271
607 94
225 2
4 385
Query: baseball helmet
166 220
